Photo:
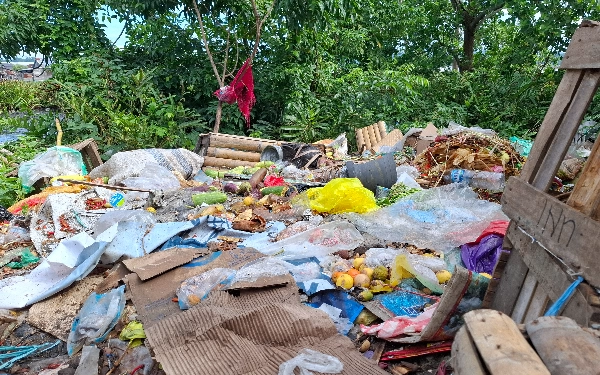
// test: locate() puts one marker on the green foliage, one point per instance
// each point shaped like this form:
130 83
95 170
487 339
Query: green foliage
11 155
120 107
17 95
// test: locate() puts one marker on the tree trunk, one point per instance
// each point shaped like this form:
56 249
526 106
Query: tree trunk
218 117
466 64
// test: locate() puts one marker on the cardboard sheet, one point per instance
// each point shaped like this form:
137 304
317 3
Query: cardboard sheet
249 334
160 262
153 298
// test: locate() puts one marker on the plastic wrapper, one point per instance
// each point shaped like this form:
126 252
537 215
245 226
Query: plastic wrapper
14 234
97 317
110 218
153 177
311 360
305 271
408 169
318 242
483 255
405 302
440 218
196 288
293 173
56 161
342 195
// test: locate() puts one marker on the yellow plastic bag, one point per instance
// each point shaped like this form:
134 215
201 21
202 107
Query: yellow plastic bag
342 195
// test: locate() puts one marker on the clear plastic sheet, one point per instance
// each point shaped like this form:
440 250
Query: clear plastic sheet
56 161
440 218
196 288
318 242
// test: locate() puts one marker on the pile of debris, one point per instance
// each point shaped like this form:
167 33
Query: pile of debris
304 257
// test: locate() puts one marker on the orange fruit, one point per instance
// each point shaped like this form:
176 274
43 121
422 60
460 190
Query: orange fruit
353 272
336 275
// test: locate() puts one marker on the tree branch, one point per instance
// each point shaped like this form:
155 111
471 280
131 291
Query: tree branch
259 25
205 42
485 13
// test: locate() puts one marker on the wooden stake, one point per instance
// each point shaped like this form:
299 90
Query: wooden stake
60 133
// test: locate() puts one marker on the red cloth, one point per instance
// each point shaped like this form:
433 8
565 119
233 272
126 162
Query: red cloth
240 90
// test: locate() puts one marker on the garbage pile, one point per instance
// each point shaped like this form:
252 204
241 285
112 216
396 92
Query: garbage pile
154 263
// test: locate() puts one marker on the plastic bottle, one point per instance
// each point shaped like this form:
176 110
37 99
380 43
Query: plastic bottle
492 181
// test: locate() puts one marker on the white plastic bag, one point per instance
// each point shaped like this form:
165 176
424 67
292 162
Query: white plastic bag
110 218
311 360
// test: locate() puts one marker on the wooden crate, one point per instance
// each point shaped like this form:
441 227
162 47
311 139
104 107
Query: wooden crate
89 153
553 241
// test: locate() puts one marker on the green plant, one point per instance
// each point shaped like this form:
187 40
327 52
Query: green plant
11 155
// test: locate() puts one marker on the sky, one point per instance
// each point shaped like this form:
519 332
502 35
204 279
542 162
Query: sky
113 29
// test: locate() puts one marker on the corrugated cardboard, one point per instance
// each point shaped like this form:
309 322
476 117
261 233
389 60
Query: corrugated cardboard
390 139
251 334
160 262
111 281
153 299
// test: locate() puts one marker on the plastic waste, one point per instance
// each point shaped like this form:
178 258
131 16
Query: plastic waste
318 242
390 330
419 269
482 256
132 358
134 333
203 177
408 169
382 256
439 218
97 317
492 181
342 195
27 258
55 161
110 218
343 325
264 267
293 173
197 288
9 355
311 360
522 146
153 177
405 302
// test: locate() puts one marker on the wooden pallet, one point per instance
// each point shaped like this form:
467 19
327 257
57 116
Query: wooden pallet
552 241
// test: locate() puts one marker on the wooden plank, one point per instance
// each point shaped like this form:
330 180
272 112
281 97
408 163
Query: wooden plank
501 345
558 108
538 304
524 299
564 347
552 279
585 197
210 161
511 281
226 153
584 49
465 358
567 130
571 235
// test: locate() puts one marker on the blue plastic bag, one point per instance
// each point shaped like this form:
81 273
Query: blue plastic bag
97 317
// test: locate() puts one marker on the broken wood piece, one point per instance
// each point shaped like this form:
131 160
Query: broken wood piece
378 347
500 344
465 358
106 186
